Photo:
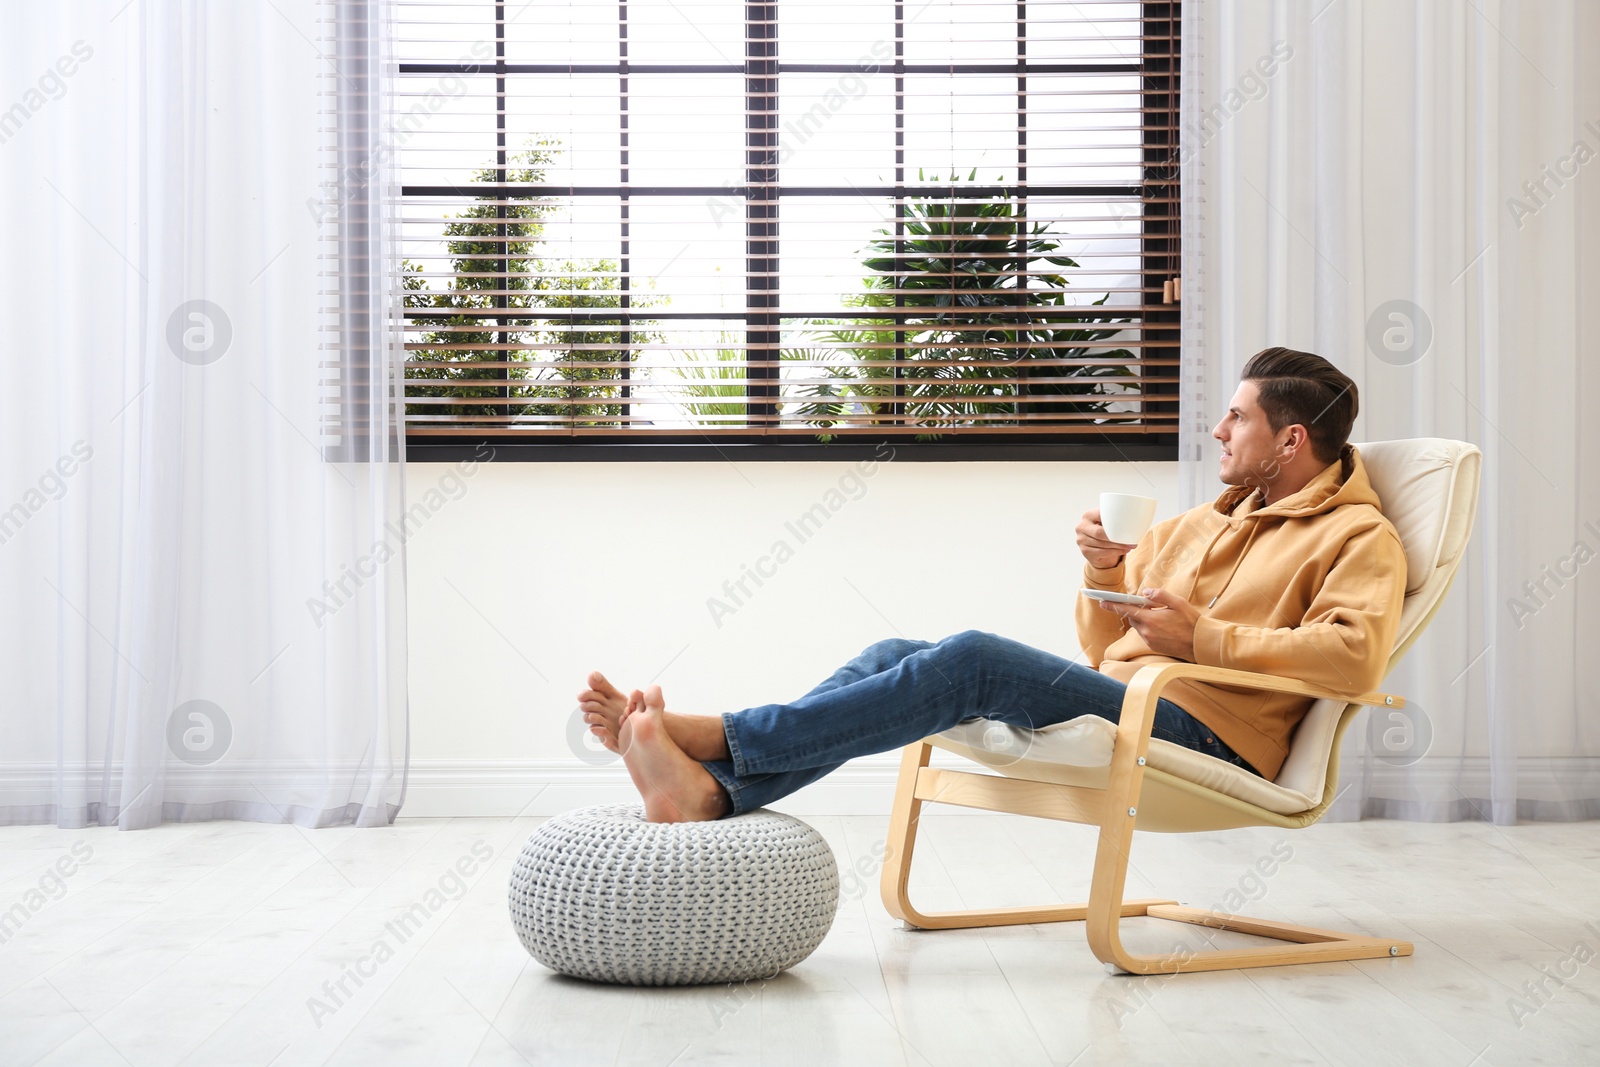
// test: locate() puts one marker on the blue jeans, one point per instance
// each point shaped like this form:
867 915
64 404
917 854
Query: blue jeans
899 691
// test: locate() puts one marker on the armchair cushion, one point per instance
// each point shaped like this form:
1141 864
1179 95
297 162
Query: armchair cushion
1429 490
1078 752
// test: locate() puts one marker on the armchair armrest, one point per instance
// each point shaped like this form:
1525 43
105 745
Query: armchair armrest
1139 710
1154 678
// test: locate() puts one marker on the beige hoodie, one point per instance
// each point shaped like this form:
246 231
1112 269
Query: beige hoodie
1309 587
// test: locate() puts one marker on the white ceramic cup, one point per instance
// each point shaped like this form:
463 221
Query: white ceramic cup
1126 517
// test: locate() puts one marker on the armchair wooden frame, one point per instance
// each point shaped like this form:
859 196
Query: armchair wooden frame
1115 809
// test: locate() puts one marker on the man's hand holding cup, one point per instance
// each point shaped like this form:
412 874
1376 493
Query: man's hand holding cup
1112 530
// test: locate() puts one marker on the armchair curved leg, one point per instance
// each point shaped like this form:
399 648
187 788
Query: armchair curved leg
1301 944
895 878
896 874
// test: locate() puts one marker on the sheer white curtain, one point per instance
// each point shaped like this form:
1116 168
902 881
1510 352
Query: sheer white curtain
1409 189
201 545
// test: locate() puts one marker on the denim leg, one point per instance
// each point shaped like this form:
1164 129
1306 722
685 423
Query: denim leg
749 792
874 659
895 693
1190 732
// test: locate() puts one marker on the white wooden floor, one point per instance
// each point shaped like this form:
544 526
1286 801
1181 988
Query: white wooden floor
224 943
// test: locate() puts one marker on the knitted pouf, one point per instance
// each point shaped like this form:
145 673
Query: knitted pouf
600 893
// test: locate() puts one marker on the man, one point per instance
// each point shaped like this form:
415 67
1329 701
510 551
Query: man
1293 572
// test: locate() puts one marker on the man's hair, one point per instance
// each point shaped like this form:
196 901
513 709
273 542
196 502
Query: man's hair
1299 387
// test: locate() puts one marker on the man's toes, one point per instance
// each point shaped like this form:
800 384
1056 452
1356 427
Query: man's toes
653 699
598 682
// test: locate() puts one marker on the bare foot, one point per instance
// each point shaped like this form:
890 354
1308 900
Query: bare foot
675 788
700 736
603 707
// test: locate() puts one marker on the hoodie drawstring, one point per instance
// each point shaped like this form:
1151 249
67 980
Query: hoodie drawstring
1255 528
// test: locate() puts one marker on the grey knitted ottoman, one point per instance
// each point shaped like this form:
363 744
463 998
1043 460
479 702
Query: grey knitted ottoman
602 894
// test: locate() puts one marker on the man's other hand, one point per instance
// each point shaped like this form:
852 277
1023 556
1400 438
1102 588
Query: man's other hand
1168 627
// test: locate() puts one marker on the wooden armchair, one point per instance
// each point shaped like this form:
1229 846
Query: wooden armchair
1114 776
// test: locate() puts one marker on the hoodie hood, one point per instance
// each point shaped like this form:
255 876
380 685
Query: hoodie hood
1344 481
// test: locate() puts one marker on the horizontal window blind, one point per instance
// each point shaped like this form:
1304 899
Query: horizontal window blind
658 220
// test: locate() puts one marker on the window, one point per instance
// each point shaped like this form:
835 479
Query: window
796 225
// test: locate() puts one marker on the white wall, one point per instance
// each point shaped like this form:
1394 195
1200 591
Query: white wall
528 575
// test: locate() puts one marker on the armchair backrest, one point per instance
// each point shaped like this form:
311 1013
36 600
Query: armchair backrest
1428 487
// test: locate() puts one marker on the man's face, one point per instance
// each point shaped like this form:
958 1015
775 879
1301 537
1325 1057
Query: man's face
1249 447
